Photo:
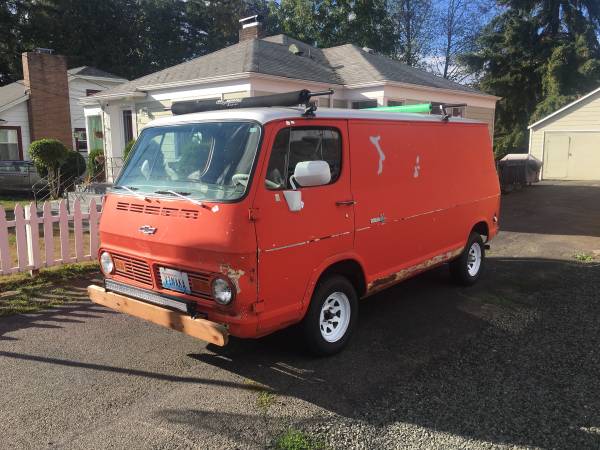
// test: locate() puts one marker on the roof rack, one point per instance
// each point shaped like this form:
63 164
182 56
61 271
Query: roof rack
285 99
420 108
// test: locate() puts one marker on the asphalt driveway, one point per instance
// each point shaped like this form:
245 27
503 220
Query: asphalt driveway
511 362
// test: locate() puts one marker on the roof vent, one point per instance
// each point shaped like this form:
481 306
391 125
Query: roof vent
293 48
368 50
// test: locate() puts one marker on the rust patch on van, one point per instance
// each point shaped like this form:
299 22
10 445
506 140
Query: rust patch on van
381 283
234 275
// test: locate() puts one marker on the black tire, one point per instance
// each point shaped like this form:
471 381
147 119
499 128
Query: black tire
311 324
459 268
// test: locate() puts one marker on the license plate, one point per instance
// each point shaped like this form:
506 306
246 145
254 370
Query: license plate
175 280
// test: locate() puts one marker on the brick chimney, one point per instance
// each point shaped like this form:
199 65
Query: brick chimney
45 77
251 28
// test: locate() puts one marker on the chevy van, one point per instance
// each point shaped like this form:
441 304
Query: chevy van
243 221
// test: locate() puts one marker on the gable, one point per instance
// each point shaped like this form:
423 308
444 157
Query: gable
582 114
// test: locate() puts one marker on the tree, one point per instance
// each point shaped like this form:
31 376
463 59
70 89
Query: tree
327 23
459 23
12 14
414 30
538 56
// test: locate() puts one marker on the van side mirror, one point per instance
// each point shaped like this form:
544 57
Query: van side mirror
312 173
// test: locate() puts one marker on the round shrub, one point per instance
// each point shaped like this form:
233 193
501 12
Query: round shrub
73 166
48 154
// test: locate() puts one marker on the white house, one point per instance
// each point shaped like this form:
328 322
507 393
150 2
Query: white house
46 104
265 65
568 140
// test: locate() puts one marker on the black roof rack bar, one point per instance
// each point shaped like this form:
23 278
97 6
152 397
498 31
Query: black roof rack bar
285 99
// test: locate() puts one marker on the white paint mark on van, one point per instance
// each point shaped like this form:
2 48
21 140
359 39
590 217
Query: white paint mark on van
375 141
378 219
277 198
417 167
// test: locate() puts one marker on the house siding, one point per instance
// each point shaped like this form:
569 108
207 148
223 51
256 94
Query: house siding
585 116
18 116
77 90
483 114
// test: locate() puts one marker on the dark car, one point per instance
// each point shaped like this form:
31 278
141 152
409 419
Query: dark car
17 176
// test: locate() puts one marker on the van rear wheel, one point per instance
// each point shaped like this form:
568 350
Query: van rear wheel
467 268
331 316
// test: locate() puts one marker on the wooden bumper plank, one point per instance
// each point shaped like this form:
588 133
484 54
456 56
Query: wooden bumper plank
199 328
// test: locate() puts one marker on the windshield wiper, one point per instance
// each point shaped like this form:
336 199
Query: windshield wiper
183 195
131 190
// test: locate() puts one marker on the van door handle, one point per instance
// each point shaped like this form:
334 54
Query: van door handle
345 202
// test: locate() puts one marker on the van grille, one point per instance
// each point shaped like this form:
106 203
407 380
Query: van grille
157 210
132 269
199 283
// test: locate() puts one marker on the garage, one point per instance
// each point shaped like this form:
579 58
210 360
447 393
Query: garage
568 141
572 156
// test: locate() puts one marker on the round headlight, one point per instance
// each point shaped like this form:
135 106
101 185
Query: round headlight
222 291
106 263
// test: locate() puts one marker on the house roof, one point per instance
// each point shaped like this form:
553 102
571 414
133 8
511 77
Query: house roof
89 71
564 108
342 65
12 94
355 66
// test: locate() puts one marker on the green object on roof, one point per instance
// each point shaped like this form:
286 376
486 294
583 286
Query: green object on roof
418 108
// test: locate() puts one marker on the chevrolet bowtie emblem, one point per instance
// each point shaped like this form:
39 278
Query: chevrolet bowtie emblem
147 229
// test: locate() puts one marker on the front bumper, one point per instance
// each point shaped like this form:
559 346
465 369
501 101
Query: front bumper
196 327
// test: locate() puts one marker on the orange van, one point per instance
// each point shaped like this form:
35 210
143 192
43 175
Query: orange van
243 221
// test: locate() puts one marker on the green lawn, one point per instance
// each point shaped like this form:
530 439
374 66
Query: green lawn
52 287
8 202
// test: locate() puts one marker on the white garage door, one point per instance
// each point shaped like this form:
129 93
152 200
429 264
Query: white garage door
572 156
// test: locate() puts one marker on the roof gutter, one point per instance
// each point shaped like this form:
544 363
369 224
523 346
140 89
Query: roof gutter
98 98
420 87
14 102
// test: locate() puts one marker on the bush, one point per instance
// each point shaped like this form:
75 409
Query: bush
127 149
95 167
73 166
48 155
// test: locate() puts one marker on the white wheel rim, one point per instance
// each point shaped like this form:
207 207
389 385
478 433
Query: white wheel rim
335 317
474 259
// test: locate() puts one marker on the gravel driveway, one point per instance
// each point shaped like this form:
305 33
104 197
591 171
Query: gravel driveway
513 362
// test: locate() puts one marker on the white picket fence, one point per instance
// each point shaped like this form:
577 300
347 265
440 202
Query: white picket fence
26 229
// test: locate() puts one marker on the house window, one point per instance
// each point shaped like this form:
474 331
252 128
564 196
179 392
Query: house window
80 139
89 92
436 108
127 125
340 103
395 103
362 104
457 112
11 147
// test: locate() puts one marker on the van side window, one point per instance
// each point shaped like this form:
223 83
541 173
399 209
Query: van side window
294 145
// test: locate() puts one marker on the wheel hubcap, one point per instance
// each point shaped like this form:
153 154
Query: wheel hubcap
335 317
474 259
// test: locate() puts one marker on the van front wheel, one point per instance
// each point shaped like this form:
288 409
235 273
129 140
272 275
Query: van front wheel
331 316
467 268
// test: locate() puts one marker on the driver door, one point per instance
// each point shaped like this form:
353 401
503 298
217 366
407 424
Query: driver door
292 245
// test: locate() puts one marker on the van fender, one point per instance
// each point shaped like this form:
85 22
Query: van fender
321 268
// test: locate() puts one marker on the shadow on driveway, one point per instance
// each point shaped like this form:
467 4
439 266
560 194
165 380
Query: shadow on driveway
562 208
513 360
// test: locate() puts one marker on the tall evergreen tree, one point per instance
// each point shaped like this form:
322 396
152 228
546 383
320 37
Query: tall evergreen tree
537 55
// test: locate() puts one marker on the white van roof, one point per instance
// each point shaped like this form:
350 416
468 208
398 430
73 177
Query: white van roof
265 115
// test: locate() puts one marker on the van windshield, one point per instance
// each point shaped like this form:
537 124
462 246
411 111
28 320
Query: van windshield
204 161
